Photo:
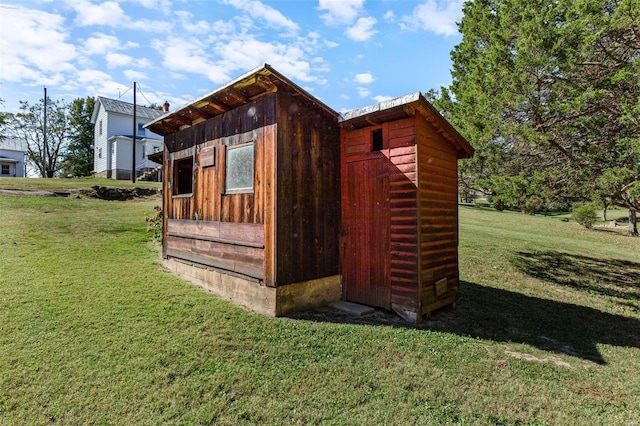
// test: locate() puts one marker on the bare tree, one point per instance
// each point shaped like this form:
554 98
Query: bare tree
45 148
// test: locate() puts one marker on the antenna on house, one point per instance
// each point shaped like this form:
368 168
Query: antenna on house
133 141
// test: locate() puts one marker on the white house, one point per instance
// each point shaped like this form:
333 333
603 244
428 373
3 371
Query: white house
113 133
12 157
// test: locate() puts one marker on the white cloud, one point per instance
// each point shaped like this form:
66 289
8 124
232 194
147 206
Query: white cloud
362 30
34 46
364 78
134 75
389 16
382 98
340 12
115 60
363 91
100 44
439 18
271 16
110 14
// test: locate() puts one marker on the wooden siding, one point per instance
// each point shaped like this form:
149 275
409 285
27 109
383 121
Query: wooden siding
438 211
308 194
404 221
208 226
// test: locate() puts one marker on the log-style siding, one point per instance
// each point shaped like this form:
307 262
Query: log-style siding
438 216
403 204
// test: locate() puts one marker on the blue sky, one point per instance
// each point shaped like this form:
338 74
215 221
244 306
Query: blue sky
348 53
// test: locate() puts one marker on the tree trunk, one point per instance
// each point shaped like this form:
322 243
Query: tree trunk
633 226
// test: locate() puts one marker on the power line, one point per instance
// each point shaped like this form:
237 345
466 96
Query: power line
143 95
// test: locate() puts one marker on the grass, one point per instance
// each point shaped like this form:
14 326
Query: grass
93 331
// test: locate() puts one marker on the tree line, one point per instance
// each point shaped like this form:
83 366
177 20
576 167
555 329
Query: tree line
548 92
60 144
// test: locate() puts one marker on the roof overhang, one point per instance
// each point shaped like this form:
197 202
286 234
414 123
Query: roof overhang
8 160
403 107
255 84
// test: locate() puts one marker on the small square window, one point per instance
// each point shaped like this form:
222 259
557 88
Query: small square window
5 169
183 176
239 169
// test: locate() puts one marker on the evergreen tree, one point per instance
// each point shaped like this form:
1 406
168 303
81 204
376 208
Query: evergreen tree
79 154
548 93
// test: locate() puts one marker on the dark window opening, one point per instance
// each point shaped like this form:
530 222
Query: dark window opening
376 138
183 176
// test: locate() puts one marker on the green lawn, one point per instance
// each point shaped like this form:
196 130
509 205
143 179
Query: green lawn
93 331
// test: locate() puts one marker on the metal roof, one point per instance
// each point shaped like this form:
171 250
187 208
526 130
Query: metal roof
13 144
259 82
126 108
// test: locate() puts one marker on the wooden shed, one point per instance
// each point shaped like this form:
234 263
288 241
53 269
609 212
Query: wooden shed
399 206
252 194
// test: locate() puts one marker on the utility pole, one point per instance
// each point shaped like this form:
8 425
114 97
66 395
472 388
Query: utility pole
133 142
45 160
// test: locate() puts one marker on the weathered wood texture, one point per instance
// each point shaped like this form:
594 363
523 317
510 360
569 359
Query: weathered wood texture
307 229
438 210
295 197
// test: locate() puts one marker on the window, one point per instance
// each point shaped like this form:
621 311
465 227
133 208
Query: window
99 152
141 129
376 139
100 128
183 176
239 169
5 169
156 149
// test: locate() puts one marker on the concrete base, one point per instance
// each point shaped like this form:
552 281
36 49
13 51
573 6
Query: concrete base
352 308
255 296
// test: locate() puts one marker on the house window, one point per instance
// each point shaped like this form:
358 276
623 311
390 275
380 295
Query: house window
99 152
183 176
5 169
376 139
100 128
156 149
141 129
239 169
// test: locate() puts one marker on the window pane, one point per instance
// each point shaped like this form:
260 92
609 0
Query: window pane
239 175
183 176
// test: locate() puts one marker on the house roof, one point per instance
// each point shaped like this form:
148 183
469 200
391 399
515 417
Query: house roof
125 108
402 107
13 144
259 82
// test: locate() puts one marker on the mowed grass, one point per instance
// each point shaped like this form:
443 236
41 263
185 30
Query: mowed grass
93 331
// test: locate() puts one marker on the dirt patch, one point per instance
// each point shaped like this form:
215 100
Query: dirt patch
528 357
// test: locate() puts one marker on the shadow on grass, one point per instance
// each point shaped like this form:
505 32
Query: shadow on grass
606 277
505 316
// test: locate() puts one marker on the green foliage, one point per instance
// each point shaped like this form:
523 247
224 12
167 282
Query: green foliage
549 88
45 149
79 154
154 222
585 215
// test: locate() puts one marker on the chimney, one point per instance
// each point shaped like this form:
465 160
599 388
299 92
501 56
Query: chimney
165 107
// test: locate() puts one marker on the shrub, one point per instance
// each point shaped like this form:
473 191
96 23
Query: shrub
499 204
154 221
585 215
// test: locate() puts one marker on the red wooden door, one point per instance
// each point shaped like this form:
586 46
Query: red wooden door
365 218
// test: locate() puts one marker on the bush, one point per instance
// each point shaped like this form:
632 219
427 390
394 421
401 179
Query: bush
585 215
154 221
499 204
